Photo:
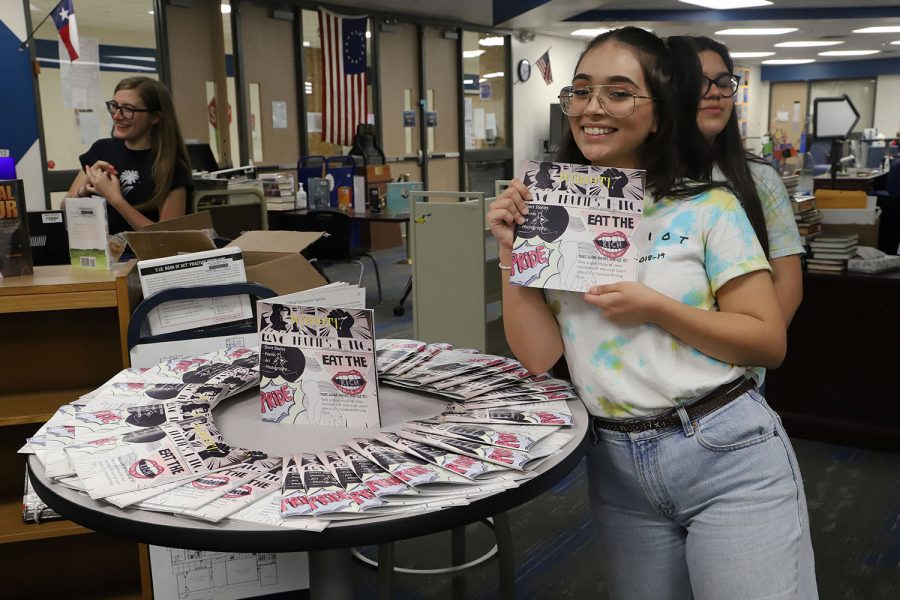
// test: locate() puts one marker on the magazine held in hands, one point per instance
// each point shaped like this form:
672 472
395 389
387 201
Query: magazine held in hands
579 228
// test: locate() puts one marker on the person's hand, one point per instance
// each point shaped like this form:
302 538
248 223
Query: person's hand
104 179
625 303
507 210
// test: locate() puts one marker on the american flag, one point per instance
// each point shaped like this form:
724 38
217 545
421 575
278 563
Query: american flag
343 76
543 63
64 18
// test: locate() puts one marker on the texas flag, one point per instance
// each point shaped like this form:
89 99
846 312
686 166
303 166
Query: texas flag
64 19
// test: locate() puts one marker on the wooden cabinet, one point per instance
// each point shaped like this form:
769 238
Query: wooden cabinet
62 333
838 382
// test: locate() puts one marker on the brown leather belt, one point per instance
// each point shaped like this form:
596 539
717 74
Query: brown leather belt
715 399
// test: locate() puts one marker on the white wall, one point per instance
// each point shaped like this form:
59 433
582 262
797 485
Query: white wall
532 99
887 114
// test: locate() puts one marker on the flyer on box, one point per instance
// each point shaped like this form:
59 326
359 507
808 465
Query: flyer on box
210 267
580 226
317 365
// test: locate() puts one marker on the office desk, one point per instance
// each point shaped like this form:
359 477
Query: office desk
238 419
838 382
869 183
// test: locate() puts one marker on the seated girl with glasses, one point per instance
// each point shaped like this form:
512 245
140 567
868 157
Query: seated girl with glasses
143 170
753 180
695 490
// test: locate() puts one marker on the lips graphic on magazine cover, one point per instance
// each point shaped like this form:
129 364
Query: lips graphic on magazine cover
349 382
210 482
613 244
146 468
240 492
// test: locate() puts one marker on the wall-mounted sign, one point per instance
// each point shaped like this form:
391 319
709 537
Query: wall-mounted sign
431 118
409 118
486 91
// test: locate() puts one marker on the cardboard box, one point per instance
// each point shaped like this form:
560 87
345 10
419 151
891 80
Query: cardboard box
271 258
868 234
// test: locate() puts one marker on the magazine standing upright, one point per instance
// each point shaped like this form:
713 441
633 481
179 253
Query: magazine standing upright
456 281
63 334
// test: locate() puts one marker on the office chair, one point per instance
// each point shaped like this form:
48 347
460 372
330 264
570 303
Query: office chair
337 246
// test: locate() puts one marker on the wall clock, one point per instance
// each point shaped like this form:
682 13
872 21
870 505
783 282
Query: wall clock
524 69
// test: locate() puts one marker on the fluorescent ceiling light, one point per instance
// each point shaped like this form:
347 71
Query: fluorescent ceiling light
368 34
758 31
307 44
810 44
897 43
750 54
591 33
130 57
492 75
473 53
727 4
149 12
491 41
226 9
788 61
849 52
885 29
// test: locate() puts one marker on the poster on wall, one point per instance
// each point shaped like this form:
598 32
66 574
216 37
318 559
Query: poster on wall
81 79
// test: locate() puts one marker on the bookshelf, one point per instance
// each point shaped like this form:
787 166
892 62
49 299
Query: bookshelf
63 332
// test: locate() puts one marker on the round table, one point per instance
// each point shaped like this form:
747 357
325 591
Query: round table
239 422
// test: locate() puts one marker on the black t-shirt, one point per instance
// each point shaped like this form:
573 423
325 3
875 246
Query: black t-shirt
135 168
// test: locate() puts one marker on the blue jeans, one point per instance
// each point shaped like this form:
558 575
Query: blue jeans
712 509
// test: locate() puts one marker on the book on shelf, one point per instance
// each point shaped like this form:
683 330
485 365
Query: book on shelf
811 216
88 233
843 255
807 239
15 244
835 242
814 265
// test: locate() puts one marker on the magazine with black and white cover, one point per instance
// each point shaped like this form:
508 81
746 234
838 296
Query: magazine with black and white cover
389 353
123 396
414 471
364 496
580 226
317 365
324 493
500 455
241 496
467 466
427 354
293 494
478 403
152 456
380 481
509 415
525 388
517 437
267 511
198 492
445 365
86 425
33 508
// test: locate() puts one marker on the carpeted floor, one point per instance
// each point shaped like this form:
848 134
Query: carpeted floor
853 496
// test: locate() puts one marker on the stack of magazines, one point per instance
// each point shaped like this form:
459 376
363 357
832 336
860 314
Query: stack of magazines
147 439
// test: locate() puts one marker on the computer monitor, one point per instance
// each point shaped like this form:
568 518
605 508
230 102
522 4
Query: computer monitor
7 167
201 157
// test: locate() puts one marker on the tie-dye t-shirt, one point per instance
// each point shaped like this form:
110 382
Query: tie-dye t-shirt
781 228
688 250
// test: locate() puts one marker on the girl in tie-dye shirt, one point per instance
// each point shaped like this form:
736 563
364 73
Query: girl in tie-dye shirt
687 501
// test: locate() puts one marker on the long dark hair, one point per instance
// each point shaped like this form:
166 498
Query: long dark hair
655 155
165 136
727 150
